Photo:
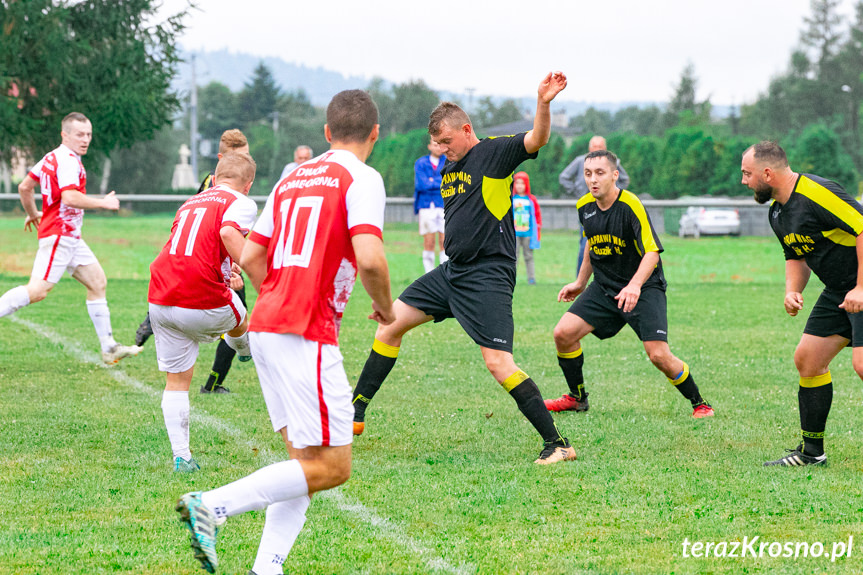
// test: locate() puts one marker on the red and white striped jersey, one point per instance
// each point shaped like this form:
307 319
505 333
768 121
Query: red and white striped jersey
189 272
58 171
307 226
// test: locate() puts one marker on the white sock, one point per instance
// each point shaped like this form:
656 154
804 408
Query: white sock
285 520
101 318
240 344
277 482
175 408
428 260
443 257
13 300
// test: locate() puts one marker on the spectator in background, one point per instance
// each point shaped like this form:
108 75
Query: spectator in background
528 221
428 203
574 185
302 154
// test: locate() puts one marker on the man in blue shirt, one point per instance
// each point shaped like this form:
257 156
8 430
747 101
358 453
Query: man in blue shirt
428 203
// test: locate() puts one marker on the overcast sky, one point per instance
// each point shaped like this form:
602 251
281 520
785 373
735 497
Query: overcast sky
610 50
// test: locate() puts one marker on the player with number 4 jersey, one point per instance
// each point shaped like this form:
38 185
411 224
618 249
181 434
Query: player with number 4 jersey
190 301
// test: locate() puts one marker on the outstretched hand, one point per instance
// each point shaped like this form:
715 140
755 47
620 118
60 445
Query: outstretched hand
34 222
552 85
110 202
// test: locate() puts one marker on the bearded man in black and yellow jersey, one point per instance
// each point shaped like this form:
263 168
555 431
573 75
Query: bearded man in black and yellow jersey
475 286
622 253
819 226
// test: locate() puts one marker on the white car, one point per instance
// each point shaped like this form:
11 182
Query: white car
697 221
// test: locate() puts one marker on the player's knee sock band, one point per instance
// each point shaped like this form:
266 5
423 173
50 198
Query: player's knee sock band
572 365
381 360
529 401
814 397
685 384
221 364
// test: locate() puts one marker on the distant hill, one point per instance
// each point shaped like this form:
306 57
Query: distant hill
234 69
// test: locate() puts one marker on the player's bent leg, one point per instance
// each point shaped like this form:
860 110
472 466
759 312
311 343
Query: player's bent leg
678 374
92 277
238 338
22 296
857 361
568 333
814 398
382 358
528 399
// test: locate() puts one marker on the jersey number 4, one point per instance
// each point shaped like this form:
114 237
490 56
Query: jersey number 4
306 208
193 233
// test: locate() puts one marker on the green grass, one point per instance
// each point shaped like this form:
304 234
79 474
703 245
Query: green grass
443 477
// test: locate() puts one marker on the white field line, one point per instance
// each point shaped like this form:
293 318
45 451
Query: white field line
384 526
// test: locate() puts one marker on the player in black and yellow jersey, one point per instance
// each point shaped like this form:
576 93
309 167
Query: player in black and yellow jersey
629 288
819 226
475 286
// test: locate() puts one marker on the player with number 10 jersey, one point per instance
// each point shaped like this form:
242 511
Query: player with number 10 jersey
307 226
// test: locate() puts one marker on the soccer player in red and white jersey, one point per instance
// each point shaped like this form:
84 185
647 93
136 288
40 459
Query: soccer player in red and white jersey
321 225
63 182
190 301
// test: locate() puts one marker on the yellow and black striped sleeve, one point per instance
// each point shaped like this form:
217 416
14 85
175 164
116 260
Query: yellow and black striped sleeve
841 215
645 236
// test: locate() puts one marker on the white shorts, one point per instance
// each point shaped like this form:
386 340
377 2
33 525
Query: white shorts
58 254
431 221
305 388
179 330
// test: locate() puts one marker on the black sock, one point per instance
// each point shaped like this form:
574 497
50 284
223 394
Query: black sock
686 386
381 360
529 401
221 365
573 372
814 397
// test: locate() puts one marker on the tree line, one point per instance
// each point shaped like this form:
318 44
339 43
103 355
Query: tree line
118 67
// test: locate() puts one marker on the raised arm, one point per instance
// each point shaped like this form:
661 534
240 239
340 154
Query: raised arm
550 87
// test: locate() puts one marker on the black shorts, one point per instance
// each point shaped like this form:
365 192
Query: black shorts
649 318
478 296
827 319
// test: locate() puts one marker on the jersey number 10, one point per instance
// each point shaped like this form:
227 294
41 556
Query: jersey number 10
285 254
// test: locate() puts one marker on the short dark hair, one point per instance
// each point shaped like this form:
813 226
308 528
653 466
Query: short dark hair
73 117
770 153
447 113
612 159
351 116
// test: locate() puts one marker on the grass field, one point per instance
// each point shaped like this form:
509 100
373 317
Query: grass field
443 478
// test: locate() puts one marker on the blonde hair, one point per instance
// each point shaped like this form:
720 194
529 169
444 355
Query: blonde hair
232 140
238 167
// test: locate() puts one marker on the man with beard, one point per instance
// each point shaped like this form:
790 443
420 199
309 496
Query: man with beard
819 226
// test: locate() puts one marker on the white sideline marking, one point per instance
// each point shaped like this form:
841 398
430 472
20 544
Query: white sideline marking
386 527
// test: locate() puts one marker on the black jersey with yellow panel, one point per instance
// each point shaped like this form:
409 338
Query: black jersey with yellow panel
208 182
477 200
820 223
619 237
